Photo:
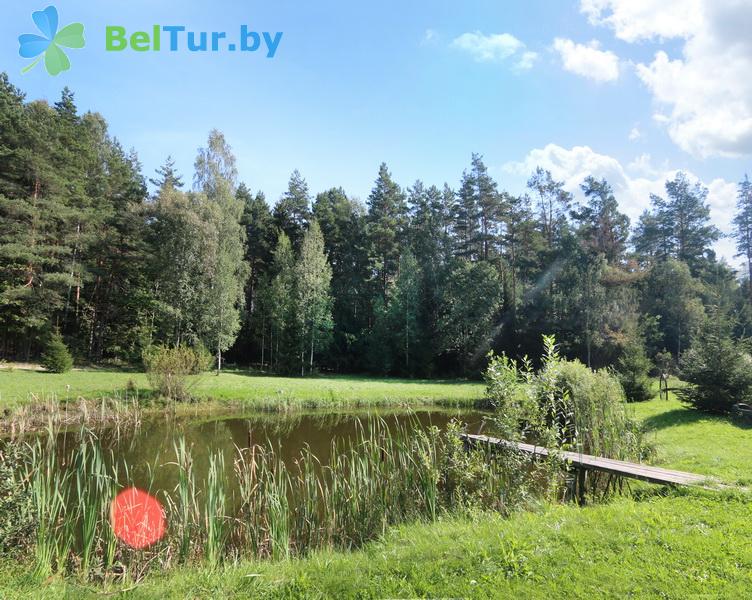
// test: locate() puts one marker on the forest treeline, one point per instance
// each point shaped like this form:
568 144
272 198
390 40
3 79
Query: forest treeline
417 281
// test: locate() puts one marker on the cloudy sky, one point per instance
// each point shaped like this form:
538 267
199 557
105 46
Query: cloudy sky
631 90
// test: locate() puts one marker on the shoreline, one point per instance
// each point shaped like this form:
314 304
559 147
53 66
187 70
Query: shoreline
106 412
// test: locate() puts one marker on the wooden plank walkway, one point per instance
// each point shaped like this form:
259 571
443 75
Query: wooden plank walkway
586 462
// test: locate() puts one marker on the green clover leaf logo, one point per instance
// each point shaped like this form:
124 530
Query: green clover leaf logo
48 45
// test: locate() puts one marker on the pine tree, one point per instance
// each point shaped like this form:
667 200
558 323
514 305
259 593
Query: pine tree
293 211
282 309
465 217
404 312
680 224
343 225
183 243
523 243
490 207
470 304
430 246
603 228
553 203
260 237
387 220
167 175
57 358
743 227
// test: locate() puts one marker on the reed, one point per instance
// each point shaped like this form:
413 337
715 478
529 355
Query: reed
215 515
48 483
184 505
263 507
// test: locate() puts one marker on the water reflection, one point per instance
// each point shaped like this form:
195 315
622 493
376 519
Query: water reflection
145 456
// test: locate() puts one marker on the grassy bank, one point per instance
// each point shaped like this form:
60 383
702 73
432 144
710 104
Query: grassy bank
681 546
667 544
21 386
693 441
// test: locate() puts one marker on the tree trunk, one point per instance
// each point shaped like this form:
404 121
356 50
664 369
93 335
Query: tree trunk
219 360
407 340
310 367
263 342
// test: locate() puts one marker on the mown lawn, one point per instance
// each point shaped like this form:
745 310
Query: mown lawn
693 441
20 386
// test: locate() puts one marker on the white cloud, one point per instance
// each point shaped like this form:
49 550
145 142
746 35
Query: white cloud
632 186
643 164
634 20
588 60
635 134
527 60
707 92
429 37
496 47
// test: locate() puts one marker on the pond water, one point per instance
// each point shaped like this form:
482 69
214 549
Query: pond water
148 455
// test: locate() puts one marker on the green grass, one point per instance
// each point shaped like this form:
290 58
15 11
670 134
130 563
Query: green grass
661 544
693 441
681 546
17 387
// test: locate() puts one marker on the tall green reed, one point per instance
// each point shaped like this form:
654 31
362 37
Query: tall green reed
387 473
215 515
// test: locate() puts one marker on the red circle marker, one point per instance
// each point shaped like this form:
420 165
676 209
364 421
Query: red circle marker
137 518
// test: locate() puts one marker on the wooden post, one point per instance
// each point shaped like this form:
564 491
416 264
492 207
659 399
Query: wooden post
581 485
570 492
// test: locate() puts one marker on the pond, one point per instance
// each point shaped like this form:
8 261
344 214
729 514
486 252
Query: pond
148 453
255 485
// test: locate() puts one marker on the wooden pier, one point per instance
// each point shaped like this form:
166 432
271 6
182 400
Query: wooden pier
585 462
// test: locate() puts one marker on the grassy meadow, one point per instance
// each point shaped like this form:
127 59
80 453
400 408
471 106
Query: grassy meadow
20 386
660 543
689 440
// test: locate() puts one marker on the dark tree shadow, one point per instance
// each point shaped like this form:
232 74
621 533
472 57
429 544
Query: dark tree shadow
677 416
688 416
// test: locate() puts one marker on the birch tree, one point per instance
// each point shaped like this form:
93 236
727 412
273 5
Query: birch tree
216 178
313 296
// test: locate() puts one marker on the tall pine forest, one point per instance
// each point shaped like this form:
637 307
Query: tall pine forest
419 279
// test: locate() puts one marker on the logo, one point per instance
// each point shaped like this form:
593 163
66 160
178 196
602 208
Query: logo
177 38
49 45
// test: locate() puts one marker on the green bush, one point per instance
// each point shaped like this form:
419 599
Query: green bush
717 368
633 371
169 369
665 363
17 520
57 358
565 404
596 420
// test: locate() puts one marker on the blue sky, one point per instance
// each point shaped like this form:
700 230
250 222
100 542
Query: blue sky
420 85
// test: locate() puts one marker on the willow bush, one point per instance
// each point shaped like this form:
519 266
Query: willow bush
169 369
563 405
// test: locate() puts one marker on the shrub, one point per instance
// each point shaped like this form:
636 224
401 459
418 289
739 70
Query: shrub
169 369
665 363
717 368
57 358
596 417
565 404
17 521
633 371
